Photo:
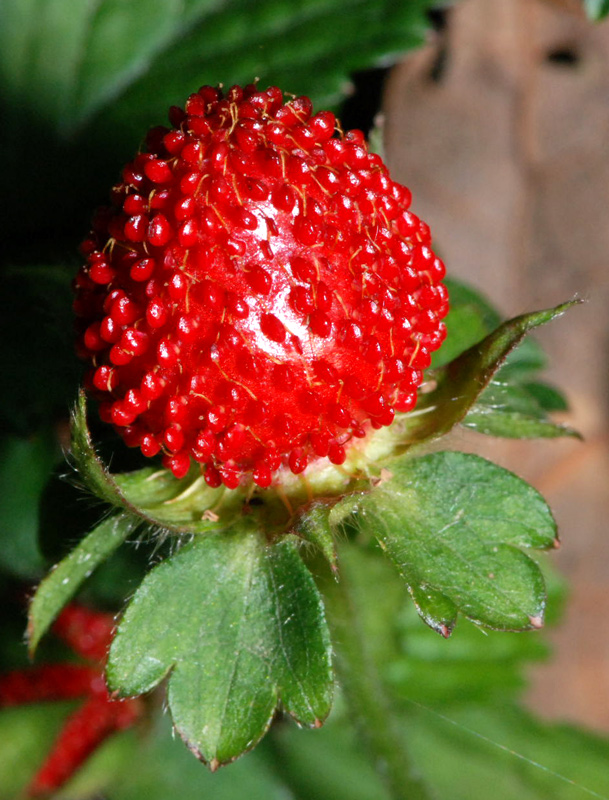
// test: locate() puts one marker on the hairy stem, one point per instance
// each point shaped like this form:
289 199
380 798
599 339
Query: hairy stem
365 692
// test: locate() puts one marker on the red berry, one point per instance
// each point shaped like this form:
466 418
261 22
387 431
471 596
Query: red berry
263 288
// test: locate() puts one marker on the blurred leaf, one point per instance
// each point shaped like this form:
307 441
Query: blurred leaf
523 360
470 318
455 523
240 625
36 351
27 734
64 581
103 767
25 467
461 382
597 9
167 770
472 752
549 397
472 748
511 411
474 665
330 764
123 63
138 58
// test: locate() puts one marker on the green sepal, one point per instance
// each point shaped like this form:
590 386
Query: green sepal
456 525
240 626
313 526
156 496
64 580
91 469
458 385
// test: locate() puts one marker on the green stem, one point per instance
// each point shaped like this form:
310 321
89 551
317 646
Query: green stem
365 692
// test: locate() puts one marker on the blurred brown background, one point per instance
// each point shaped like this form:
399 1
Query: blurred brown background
501 129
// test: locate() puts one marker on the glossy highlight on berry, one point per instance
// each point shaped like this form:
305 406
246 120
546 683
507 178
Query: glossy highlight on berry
259 294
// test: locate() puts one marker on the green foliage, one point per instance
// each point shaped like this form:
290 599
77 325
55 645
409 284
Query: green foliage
465 753
466 750
313 527
27 735
509 403
64 581
166 770
25 465
454 525
473 665
136 59
513 411
236 622
91 470
241 626
597 9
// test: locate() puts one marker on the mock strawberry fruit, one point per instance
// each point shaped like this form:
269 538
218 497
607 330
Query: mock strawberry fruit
258 294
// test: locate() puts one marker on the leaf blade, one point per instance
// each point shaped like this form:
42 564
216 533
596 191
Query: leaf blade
455 524
62 583
255 633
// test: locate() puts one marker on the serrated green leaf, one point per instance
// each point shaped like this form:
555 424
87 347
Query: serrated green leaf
455 523
435 609
459 384
314 527
25 467
240 625
473 665
513 412
597 9
62 583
